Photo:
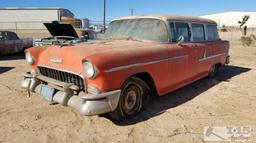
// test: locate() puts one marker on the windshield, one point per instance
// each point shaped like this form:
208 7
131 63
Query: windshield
138 29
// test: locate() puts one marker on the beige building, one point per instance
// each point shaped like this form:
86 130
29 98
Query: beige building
28 22
231 18
31 18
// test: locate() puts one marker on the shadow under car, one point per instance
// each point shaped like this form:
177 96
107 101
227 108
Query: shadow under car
17 56
5 69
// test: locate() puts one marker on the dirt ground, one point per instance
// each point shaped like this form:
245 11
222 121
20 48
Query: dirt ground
181 116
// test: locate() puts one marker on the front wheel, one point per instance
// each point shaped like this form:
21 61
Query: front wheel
134 96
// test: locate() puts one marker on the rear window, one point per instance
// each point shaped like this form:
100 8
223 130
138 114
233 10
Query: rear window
212 32
198 32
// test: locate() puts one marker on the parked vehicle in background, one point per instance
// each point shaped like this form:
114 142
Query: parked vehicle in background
63 33
10 43
140 56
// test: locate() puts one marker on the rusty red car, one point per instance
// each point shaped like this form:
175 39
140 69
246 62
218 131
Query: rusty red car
138 57
10 43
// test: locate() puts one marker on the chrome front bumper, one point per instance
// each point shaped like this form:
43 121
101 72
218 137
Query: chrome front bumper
86 104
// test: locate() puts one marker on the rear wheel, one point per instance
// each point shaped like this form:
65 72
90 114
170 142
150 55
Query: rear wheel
214 70
134 96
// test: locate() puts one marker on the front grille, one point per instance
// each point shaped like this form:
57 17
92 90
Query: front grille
62 76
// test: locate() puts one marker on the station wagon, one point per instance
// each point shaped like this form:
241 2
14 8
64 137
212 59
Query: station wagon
138 57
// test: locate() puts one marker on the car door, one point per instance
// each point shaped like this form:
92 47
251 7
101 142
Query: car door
202 49
180 55
6 45
2 44
9 43
16 44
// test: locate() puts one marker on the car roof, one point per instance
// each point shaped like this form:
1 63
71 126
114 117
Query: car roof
170 17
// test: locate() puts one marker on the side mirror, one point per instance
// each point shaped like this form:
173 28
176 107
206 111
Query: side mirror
180 40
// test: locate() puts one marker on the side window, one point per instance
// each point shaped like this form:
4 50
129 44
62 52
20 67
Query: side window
198 32
1 36
180 29
174 39
212 32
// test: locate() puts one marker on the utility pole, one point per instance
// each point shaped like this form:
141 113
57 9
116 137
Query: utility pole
132 11
104 16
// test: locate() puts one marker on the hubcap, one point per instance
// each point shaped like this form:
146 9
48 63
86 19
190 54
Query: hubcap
131 101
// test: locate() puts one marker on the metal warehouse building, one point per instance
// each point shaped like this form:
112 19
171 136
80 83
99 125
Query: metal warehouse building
28 22
231 18
31 18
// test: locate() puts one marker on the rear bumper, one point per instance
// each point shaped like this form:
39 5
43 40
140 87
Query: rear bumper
86 104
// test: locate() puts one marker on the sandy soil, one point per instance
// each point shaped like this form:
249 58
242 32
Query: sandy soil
178 117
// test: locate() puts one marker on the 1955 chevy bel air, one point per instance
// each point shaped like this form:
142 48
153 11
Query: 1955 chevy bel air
138 57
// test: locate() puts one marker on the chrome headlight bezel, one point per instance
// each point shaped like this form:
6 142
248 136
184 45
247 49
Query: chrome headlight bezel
29 58
90 71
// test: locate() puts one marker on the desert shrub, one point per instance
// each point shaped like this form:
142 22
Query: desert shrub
253 37
223 30
246 41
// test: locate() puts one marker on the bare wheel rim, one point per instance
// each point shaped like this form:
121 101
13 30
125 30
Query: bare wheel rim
131 102
213 70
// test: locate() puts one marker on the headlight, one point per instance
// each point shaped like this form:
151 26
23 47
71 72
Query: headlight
29 58
89 69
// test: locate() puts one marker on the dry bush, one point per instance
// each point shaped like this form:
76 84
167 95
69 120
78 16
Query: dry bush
223 30
253 37
246 41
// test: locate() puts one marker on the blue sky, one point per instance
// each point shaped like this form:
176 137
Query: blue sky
92 9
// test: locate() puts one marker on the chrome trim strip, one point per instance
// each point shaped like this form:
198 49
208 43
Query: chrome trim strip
178 57
143 64
168 59
211 57
123 67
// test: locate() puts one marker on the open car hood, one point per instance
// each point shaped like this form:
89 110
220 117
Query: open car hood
61 29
